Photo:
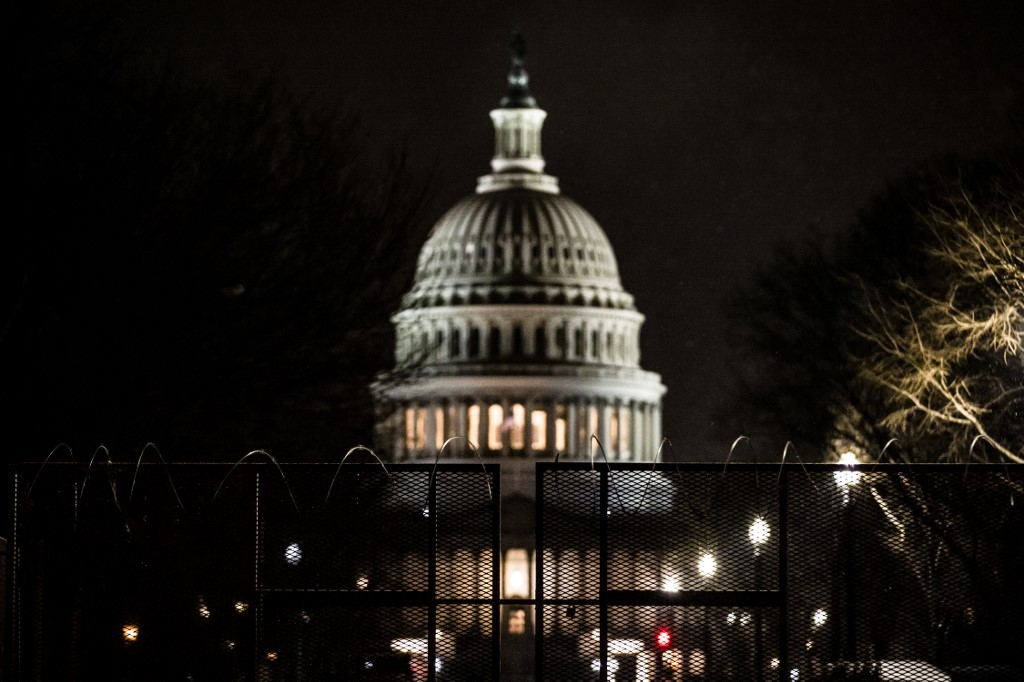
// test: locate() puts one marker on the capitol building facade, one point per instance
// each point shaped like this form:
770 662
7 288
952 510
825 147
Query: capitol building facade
517 339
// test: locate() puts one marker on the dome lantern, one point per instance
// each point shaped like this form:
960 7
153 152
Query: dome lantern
517 158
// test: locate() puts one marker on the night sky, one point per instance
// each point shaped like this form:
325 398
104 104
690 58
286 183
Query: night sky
698 134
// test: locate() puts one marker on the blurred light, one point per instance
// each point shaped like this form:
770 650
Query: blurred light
368 664
229 644
293 553
774 663
130 632
437 664
241 606
809 644
204 610
305 616
624 647
697 662
517 574
271 656
663 638
409 645
362 582
707 565
744 619
759 531
845 479
613 665
794 674
731 618
819 618
671 584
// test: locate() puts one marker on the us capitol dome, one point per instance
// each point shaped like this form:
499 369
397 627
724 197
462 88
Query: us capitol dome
517 336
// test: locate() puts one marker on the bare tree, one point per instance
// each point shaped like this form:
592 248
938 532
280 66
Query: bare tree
907 325
949 350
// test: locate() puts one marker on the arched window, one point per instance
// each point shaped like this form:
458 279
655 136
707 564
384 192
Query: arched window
494 343
517 341
540 342
595 344
455 348
474 342
560 340
577 351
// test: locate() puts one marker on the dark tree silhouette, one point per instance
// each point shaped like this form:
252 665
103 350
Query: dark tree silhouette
908 326
207 265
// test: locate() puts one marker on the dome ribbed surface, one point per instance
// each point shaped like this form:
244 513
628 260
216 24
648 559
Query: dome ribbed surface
517 236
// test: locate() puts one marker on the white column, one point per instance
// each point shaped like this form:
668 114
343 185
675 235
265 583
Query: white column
430 421
506 409
571 428
604 429
656 426
479 436
396 432
459 423
551 407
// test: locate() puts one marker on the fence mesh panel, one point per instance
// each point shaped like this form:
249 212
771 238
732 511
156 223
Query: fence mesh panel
688 572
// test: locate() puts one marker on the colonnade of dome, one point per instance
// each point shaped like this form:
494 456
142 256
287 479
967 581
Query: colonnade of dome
517 338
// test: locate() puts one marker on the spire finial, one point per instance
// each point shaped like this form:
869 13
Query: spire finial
518 96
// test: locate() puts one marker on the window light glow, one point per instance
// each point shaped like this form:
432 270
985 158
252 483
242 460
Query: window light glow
473 424
560 430
438 427
130 632
495 419
539 430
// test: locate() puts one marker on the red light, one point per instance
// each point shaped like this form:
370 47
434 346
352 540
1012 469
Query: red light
663 639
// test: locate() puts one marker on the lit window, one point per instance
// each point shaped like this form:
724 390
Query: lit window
517 429
560 434
420 440
495 418
594 421
473 419
624 432
539 426
517 574
517 622
439 430
613 431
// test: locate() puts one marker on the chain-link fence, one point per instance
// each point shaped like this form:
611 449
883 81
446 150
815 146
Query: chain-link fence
254 572
630 572
695 572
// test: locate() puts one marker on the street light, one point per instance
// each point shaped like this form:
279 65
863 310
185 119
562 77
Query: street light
759 532
706 567
848 477
846 480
